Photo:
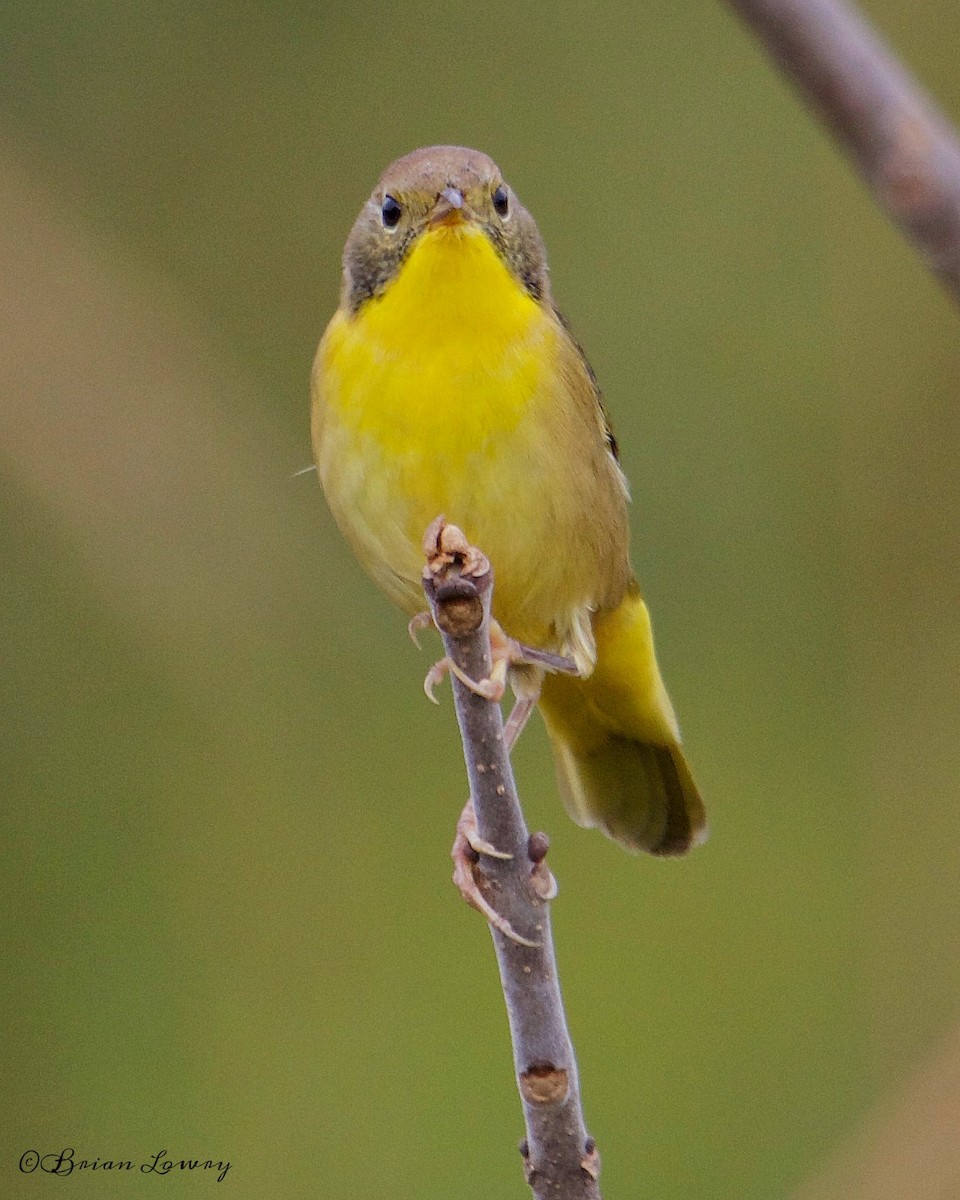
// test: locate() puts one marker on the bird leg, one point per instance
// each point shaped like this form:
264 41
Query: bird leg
519 715
505 652
489 688
468 846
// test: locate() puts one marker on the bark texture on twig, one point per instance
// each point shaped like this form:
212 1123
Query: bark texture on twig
561 1162
905 149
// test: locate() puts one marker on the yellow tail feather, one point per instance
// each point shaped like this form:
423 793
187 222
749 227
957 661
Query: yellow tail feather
616 741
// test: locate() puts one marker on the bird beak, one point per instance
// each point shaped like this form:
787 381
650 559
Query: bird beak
450 208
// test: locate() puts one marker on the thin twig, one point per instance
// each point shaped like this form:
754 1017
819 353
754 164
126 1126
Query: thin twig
561 1162
903 146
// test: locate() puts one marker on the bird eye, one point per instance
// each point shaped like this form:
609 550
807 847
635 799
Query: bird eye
390 212
501 201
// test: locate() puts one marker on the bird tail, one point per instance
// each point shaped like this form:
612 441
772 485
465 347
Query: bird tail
616 742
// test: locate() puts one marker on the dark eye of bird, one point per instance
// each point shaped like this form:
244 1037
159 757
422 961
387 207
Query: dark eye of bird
501 201
390 212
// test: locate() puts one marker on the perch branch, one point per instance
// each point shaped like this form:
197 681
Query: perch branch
560 1161
905 149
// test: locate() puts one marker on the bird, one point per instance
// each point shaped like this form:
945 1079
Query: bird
448 381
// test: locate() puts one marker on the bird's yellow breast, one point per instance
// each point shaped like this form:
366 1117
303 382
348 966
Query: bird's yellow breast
443 395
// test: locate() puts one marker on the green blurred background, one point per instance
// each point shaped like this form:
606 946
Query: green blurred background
228 925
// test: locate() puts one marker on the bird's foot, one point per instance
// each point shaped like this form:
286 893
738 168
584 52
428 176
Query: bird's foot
444 546
468 848
505 652
489 689
418 622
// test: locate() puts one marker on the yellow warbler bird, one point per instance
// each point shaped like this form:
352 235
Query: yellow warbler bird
447 382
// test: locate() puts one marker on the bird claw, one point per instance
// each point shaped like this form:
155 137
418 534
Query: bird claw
490 689
422 620
505 652
435 675
480 846
468 847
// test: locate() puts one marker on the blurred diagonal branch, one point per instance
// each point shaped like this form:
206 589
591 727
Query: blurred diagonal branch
560 1161
903 146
